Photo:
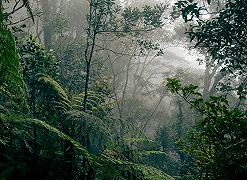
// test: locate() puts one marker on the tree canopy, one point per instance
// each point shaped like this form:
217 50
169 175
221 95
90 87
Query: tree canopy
92 90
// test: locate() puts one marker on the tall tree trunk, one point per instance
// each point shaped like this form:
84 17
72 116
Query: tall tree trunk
47 29
179 124
86 86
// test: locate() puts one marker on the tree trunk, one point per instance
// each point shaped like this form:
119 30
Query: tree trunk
47 29
68 160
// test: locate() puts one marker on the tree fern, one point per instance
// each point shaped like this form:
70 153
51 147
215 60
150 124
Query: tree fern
53 94
71 110
111 163
151 173
18 119
129 170
96 103
90 123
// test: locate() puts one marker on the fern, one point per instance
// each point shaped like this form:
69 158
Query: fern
18 119
140 171
53 86
151 173
57 96
98 163
90 123
60 102
95 99
144 140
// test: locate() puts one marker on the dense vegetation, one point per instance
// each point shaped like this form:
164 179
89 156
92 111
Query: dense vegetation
79 97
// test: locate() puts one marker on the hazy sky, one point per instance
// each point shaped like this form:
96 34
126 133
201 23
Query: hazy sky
190 57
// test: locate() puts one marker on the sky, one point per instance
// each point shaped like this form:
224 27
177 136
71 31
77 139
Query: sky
191 57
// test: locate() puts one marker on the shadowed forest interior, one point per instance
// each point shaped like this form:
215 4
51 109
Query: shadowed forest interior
123 89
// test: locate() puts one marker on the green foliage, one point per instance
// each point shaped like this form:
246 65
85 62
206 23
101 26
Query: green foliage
55 103
218 140
105 17
130 170
96 103
217 143
11 83
51 96
189 9
152 173
223 36
17 119
35 59
97 98
56 137
151 17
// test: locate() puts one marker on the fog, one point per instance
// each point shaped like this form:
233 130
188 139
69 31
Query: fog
111 88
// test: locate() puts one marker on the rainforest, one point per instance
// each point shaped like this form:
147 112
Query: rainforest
123 89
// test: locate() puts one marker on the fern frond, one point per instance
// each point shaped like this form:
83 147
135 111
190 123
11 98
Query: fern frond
50 87
151 173
92 123
26 120
138 140
148 172
147 153
92 97
48 82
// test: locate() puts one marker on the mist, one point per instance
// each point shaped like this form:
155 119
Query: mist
123 89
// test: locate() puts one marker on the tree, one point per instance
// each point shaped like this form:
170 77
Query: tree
46 141
103 18
217 29
218 141
223 36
